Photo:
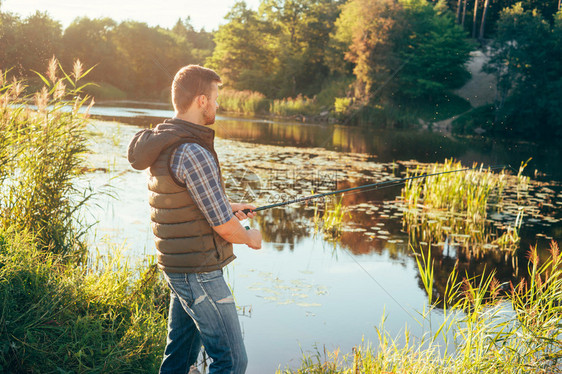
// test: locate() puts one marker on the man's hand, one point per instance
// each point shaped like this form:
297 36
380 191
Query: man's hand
255 239
234 232
238 208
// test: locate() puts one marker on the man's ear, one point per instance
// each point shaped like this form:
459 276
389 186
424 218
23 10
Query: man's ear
202 100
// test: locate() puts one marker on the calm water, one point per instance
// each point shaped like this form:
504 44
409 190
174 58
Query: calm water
302 293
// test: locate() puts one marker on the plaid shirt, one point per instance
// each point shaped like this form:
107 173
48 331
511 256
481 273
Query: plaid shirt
195 165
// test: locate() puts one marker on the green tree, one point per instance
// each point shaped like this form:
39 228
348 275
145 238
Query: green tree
301 32
150 55
525 60
404 49
243 56
90 41
364 30
200 43
29 44
433 50
10 35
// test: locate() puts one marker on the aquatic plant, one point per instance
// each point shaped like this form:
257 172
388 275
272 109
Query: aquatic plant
453 208
484 330
41 154
329 218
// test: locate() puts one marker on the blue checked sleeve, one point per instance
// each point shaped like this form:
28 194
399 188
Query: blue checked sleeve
195 165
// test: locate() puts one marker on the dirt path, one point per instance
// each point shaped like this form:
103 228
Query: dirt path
481 88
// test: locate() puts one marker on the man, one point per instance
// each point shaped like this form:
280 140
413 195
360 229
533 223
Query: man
194 226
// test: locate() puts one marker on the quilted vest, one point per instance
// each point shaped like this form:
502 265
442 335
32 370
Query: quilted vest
185 241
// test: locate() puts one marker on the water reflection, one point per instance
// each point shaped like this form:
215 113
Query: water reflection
384 145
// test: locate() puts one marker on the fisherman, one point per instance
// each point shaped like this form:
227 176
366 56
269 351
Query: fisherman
194 226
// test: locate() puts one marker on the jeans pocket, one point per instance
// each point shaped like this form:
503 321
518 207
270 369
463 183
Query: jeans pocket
179 284
209 276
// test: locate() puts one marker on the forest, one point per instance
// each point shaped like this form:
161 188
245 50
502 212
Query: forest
383 63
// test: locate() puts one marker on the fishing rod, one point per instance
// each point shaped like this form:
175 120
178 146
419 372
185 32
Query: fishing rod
372 187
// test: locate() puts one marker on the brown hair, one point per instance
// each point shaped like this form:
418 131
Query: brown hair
190 82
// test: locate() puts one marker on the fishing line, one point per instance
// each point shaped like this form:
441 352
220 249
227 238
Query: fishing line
373 187
367 187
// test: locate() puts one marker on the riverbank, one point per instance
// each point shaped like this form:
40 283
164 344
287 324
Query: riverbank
438 114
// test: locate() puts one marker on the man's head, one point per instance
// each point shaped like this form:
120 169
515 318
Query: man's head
195 89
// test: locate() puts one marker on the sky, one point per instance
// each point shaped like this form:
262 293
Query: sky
208 14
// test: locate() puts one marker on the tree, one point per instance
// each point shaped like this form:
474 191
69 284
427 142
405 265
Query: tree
483 23
364 27
433 49
474 18
243 56
525 59
36 40
410 48
90 41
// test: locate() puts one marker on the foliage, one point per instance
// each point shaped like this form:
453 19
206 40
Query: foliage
43 153
364 30
137 59
286 56
528 80
490 332
433 50
409 48
60 310
329 218
290 107
245 102
57 316
454 206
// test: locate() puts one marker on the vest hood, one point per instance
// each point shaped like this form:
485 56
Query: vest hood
148 144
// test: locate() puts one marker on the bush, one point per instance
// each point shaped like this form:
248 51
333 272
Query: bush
292 107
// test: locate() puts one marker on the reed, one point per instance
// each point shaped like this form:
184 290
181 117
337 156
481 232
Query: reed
453 208
243 102
483 330
61 309
294 106
42 151
329 218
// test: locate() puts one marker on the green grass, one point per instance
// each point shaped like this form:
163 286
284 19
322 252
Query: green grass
490 332
42 152
243 102
455 207
299 105
62 310
58 317
329 219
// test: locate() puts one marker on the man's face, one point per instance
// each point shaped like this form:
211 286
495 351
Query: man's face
210 110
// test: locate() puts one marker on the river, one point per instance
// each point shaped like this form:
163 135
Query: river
304 293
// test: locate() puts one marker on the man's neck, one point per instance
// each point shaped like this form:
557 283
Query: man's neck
191 117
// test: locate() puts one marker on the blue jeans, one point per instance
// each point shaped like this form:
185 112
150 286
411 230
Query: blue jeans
202 310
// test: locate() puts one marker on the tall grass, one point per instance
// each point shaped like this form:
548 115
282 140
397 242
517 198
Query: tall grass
62 310
41 152
516 332
294 106
328 218
55 317
243 102
454 207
